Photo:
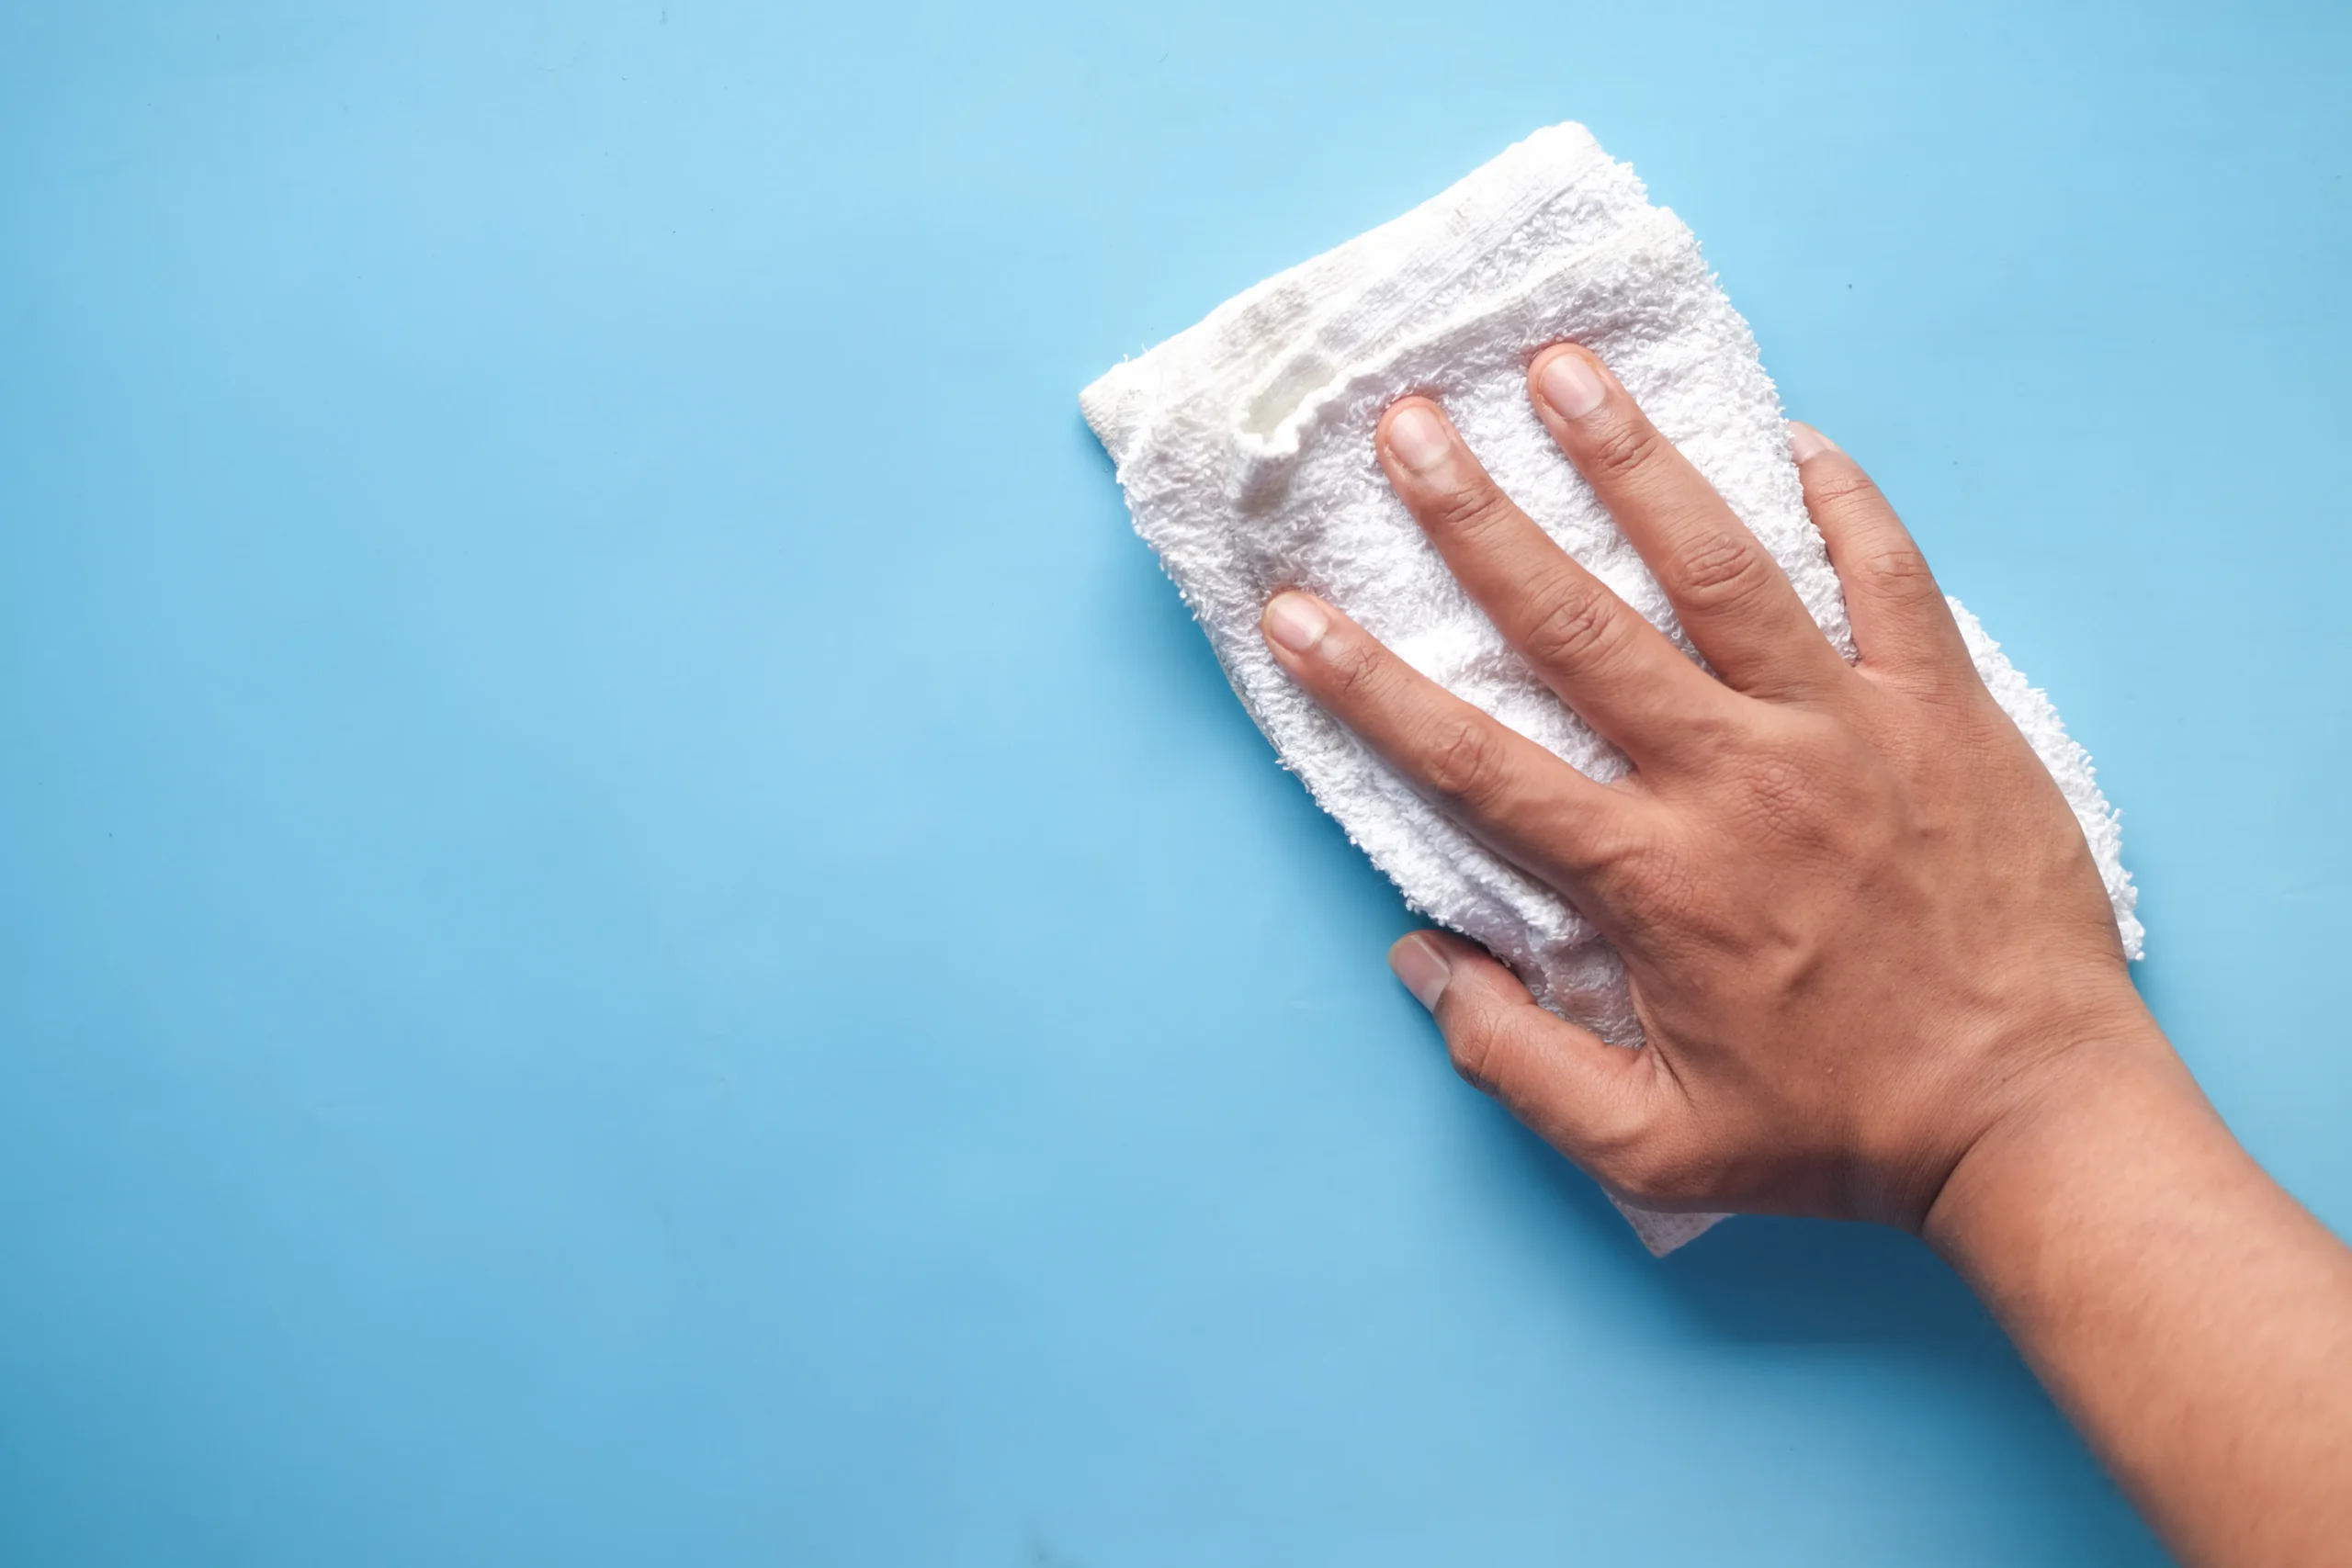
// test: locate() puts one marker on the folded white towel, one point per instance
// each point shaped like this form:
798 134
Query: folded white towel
1245 447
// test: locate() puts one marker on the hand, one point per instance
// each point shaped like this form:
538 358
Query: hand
1860 922
1879 974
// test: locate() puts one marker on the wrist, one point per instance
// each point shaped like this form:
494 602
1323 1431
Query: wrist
2066 1140
2178 1304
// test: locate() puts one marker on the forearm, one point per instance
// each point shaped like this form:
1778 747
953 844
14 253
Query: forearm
2191 1317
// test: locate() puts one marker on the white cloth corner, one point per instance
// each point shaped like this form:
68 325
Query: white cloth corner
1245 447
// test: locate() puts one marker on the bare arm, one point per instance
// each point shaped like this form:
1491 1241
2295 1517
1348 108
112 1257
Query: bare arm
1879 976
2193 1320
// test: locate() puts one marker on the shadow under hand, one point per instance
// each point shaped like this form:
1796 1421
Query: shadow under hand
1764 1280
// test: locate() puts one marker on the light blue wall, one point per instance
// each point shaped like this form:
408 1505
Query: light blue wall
634 930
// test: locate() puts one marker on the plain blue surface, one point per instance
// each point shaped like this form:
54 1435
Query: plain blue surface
633 928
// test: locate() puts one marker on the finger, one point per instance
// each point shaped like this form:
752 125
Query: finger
1527 805
1589 645
1901 624
1731 594
1598 1104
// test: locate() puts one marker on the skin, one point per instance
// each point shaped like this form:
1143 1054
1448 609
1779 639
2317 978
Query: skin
1880 977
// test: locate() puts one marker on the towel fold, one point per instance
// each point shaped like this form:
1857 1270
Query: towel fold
1244 447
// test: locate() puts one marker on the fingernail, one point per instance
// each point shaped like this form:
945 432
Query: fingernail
1570 384
1807 442
1296 622
1422 966
1418 437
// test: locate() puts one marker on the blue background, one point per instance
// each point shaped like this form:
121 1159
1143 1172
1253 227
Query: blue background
633 928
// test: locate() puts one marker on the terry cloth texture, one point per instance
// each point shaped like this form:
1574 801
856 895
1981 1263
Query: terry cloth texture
1244 447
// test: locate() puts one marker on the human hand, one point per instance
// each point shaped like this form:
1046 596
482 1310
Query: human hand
1879 974
1860 923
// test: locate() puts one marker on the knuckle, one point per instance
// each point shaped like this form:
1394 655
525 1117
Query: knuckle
1654 884
1844 488
1631 1148
1465 511
1626 446
1950 687
1824 789
1462 763
1901 566
1476 1048
1658 1171
1355 673
1580 625
1776 799
1603 850
1725 572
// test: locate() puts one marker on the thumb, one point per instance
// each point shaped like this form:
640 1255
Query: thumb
1600 1104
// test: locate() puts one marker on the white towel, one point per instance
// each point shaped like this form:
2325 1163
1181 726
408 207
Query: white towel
1244 447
